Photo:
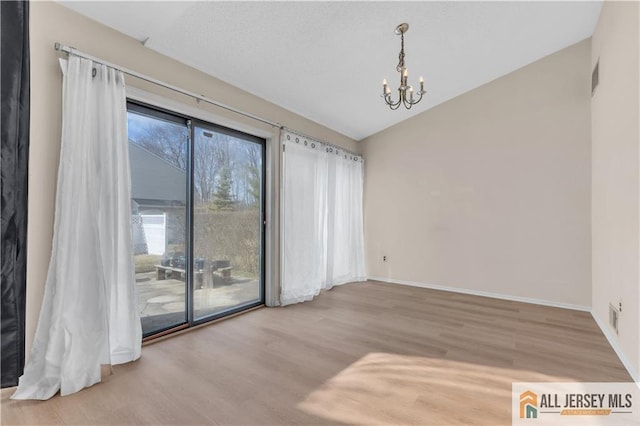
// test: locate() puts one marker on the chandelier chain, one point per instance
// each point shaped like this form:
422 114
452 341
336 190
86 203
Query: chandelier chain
400 66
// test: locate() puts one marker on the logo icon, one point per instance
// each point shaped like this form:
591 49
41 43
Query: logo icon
528 405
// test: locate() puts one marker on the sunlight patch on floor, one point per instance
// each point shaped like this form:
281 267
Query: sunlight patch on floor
383 388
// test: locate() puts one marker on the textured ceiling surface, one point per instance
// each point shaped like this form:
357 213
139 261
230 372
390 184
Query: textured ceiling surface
326 60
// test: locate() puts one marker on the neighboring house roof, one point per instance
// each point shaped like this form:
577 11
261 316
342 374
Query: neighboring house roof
154 181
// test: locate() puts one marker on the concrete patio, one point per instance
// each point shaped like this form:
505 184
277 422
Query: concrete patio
159 297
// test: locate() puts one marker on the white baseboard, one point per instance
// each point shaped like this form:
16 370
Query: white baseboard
613 341
486 294
603 327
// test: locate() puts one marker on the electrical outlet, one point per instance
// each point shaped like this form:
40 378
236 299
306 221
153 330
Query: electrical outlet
613 317
384 258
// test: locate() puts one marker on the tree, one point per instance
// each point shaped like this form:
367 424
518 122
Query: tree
253 177
207 158
224 197
167 142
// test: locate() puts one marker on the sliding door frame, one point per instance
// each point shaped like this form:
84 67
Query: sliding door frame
273 166
263 178
161 112
182 120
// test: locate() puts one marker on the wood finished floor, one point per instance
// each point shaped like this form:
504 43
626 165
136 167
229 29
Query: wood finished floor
366 353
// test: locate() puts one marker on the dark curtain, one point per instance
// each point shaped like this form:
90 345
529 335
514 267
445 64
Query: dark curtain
14 87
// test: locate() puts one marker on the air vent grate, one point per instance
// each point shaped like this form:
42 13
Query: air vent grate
613 317
595 77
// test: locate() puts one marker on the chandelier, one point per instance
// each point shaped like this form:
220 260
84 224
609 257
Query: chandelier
405 92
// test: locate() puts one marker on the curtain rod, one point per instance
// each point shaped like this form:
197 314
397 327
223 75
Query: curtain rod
321 141
73 51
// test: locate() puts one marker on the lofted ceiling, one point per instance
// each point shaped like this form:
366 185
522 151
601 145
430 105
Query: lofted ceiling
326 60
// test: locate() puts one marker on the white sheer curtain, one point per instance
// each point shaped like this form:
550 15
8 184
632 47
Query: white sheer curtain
345 236
89 313
322 237
304 223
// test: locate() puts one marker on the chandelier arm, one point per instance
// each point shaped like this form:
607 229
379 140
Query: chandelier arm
419 99
392 105
405 100
388 101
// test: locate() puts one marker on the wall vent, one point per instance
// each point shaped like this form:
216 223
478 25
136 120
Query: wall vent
595 77
613 317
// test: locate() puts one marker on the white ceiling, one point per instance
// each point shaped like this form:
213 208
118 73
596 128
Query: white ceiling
326 60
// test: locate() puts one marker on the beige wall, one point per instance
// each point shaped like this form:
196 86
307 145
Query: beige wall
615 114
490 192
50 23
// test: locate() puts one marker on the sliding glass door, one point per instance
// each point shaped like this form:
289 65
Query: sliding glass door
158 153
198 218
227 220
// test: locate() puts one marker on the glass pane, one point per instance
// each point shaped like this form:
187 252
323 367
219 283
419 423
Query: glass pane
227 218
158 159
